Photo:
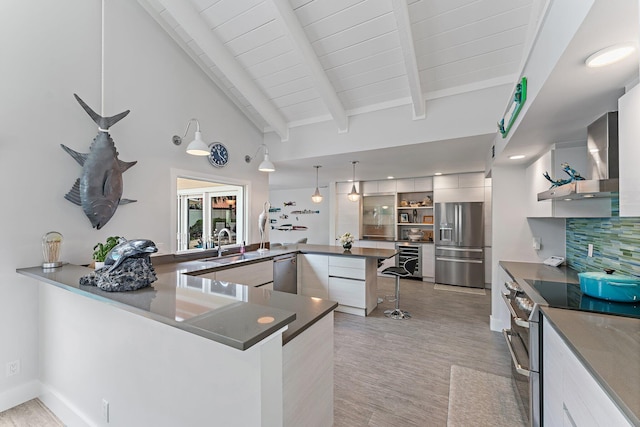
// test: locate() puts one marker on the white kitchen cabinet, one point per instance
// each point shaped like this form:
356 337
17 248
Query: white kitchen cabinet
255 274
423 184
467 187
376 187
629 152
353 284
570 393
405 185
313 275
428 262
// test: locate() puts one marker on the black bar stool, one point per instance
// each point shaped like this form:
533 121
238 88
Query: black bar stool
405 270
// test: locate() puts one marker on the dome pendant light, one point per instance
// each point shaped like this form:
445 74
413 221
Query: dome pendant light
317 197
354 196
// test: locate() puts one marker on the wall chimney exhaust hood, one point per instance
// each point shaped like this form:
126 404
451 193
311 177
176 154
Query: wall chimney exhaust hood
602 155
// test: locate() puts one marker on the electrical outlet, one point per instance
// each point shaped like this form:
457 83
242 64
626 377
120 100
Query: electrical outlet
105 410
590 250
13 368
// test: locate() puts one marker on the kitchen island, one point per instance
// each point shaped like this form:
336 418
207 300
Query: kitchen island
185 351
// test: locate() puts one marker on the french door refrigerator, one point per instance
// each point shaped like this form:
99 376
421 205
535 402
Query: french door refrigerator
459 241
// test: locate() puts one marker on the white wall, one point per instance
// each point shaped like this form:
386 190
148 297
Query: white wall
51 51
512 233
317 224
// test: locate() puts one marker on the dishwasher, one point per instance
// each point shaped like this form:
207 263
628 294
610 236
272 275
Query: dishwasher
285 274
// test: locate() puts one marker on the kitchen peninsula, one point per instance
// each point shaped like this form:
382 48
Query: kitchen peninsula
143 351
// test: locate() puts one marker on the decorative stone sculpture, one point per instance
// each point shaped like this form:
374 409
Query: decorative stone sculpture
127 268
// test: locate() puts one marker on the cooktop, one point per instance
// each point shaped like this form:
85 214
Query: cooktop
568 295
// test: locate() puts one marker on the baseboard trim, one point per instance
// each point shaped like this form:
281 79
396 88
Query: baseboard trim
68 413
19 394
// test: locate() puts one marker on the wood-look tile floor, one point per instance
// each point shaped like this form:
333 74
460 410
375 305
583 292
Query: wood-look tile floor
396 372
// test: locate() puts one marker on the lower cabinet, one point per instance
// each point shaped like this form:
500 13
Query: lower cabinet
350 281
571 396
428 262
256 274
313 275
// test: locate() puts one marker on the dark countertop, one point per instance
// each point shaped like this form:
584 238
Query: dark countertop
608 345
223 312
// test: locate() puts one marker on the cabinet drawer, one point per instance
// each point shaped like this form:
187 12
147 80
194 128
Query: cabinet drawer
347 292
344 261
350 273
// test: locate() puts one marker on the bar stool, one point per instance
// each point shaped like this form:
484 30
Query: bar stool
405 270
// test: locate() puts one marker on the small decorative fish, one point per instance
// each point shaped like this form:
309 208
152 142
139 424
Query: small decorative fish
99 188
574 175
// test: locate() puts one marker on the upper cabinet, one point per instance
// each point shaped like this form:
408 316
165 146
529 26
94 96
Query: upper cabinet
464 187
379 187
629 150
410 185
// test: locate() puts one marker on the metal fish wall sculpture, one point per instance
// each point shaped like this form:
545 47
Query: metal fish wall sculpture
99 188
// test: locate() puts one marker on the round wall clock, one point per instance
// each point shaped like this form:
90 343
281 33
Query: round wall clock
218 155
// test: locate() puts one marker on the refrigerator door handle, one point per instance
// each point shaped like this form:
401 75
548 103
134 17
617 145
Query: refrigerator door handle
449 248
460 222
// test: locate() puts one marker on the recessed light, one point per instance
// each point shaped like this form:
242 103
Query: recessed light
516 157
438 173
265 320
610 55
390 177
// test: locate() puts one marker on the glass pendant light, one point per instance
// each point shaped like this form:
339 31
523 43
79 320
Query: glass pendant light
354 196
317 197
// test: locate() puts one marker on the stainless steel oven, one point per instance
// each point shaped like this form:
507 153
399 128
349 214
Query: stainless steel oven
523 340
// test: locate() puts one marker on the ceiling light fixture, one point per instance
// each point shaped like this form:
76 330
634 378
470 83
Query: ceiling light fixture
266 165
610 55
354 196
197 147
317 197
390 177
516 157
438 173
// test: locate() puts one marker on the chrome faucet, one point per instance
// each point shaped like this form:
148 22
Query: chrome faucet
226 230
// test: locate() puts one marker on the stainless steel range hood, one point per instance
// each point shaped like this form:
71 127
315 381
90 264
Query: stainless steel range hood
602 155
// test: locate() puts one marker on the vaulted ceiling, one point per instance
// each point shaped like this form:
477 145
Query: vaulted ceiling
288 63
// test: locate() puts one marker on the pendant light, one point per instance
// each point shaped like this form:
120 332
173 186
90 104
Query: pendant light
317 197
354 196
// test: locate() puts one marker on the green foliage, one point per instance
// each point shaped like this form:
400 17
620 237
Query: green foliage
101 250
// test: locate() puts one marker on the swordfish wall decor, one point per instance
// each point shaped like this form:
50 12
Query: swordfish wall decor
99 188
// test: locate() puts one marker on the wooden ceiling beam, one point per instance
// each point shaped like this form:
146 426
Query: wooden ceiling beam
322 84
191 22
401 13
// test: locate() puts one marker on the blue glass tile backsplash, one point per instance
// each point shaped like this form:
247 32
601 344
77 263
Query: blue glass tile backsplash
616 243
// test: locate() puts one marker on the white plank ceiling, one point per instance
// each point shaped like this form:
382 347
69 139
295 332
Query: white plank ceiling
287 63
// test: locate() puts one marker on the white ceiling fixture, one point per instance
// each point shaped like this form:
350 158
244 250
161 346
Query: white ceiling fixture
516 157
610 55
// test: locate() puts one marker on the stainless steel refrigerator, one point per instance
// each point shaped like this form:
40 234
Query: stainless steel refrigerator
459 241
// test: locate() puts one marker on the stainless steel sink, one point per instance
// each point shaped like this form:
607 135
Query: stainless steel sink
229 259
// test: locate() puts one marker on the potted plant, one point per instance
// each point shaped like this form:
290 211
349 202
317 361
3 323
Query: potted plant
347 240
101 250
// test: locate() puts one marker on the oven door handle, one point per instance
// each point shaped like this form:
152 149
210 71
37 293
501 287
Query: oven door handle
519 320
516 363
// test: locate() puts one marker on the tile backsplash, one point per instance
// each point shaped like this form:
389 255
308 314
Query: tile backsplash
616 244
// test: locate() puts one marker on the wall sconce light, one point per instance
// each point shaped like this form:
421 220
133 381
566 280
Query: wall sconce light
354 196
317 197
266 165
197 147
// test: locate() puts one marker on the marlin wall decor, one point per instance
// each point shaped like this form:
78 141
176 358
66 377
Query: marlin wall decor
99 189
